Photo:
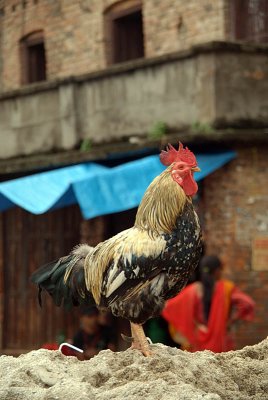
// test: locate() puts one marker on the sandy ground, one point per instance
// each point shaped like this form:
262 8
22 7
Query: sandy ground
169 374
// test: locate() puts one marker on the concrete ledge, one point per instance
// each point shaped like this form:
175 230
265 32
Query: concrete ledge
220 138
210 88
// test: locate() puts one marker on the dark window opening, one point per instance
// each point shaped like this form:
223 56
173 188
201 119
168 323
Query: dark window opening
33 58
250 20
36 63
128 37
124 31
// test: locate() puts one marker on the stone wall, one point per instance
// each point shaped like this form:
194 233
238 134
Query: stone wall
75 36
235 203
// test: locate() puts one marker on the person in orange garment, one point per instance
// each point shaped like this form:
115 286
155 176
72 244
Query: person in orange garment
201 315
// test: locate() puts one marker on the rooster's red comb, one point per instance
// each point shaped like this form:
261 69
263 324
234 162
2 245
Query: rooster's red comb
171 155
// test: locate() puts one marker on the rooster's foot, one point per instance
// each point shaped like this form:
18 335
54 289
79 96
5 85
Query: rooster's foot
140 341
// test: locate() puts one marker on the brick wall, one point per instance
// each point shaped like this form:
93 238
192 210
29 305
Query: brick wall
74 31
174 25
235 200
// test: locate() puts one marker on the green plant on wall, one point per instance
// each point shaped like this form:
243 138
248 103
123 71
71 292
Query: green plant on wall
86 145
158 130
202 127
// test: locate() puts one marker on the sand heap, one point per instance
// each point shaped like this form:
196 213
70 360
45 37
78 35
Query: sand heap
169 374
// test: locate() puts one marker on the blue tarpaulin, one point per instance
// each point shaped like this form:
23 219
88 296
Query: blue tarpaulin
97 189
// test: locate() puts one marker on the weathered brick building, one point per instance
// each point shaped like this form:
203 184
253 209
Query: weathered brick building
76 34
98 76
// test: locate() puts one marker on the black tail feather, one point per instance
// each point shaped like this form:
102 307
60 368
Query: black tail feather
64 280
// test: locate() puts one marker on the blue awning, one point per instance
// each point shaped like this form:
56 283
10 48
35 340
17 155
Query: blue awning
97 189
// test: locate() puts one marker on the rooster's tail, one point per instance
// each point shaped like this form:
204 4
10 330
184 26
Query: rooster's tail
64 279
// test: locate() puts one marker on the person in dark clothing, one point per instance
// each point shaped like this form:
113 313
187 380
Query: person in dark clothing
93 337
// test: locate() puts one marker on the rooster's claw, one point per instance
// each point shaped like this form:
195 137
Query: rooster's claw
128 339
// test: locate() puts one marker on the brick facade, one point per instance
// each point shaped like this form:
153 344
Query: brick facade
235 204
175 25
74 31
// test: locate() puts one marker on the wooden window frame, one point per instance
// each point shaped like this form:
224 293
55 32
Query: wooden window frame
233 33
117 10
31 39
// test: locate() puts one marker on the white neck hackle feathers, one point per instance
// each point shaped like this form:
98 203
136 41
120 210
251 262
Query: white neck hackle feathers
160 207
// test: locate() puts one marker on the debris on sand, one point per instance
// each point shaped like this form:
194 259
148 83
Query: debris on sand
170 374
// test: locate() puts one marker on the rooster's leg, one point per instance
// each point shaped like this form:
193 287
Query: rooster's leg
140 341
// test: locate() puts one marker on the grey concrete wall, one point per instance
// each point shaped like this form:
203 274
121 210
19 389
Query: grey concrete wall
241 88
178 93
38 122
205 85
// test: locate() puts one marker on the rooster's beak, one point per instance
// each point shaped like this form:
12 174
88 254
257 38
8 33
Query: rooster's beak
196 169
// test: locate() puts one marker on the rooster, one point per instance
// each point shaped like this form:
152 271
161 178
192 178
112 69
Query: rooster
136 271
